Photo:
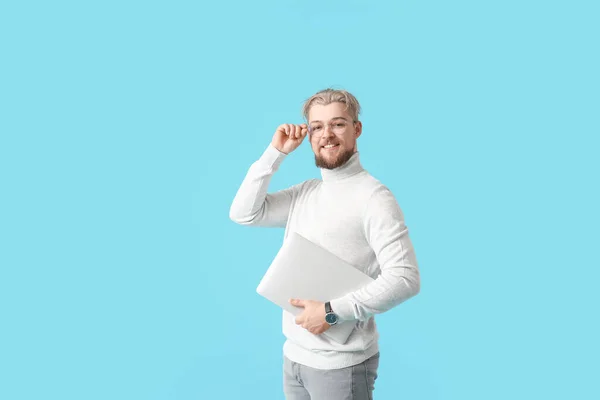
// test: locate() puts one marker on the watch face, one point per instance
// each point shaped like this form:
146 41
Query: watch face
331 318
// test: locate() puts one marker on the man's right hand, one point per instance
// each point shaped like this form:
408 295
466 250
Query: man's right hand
288 137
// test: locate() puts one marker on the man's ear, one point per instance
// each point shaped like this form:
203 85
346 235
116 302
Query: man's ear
358 127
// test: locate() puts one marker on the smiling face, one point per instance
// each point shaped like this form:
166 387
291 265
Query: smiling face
333 134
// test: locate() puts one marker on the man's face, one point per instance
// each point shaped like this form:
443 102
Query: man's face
332 134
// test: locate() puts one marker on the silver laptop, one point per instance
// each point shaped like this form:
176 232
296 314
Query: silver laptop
304 270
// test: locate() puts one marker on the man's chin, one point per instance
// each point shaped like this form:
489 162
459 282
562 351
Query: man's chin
328 162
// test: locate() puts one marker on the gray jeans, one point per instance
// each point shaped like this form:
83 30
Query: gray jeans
352 383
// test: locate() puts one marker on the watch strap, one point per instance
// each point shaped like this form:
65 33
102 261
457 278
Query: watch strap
328 308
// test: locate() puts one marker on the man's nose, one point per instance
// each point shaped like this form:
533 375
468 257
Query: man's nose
328 130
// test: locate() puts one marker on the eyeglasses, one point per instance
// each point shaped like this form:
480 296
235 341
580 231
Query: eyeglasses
338 127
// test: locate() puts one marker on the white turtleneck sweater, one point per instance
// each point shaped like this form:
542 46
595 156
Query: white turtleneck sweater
357 218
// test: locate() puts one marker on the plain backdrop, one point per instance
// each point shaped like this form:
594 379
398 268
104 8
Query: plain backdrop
126 128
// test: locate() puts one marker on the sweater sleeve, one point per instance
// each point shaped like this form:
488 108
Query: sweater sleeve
252 204
399 280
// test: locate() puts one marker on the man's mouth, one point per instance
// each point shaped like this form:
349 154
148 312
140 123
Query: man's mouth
330 146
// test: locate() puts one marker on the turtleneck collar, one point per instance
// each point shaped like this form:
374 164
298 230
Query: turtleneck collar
352 167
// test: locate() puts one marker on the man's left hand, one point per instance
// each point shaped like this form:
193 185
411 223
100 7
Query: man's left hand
313 317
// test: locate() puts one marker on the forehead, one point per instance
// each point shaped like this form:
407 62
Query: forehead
319 112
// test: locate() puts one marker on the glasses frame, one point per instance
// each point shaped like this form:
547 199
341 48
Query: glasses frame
330 128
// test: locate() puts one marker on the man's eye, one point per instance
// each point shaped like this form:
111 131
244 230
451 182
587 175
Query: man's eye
316 128
340 124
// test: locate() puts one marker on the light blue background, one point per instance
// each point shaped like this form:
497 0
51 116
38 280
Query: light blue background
126 128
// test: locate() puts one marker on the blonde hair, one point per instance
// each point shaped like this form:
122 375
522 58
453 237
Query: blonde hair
328 96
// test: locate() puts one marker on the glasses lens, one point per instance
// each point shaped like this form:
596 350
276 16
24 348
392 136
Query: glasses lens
338 127
315 130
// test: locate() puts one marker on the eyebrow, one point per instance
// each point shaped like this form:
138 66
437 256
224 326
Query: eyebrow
345 119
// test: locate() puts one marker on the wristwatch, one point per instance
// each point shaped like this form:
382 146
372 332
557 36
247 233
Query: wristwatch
330 316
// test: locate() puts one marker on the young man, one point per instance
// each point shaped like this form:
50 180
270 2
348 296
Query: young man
354 216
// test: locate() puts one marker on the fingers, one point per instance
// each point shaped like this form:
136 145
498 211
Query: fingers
284 128
304 129
314 329
293 131
297 302
281 129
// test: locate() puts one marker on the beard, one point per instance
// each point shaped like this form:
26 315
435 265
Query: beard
341 159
